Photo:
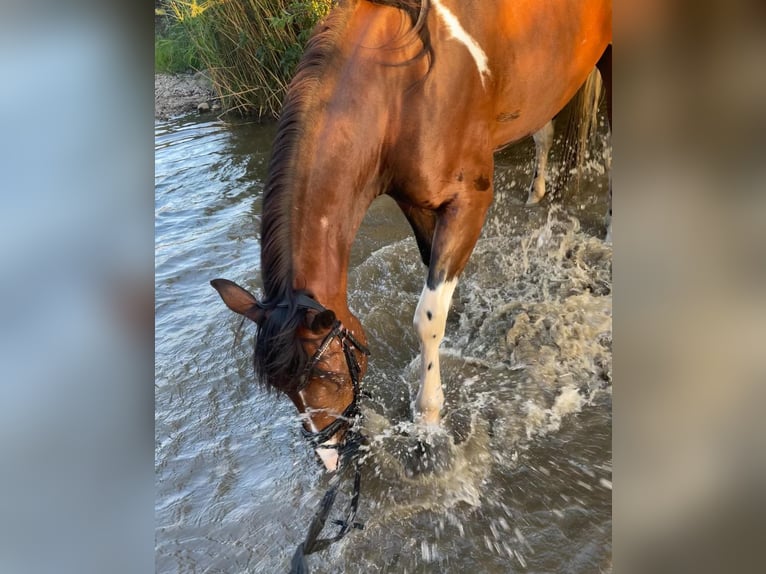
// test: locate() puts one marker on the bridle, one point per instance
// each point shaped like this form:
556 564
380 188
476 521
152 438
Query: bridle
348 342
347 449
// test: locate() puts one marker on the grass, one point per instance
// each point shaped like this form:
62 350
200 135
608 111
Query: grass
249 47
174 51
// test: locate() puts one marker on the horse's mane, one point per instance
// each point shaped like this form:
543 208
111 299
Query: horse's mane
279 355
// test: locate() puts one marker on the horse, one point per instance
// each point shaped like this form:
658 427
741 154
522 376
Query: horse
408 98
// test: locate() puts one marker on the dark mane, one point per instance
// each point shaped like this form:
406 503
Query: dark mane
279 355
417 11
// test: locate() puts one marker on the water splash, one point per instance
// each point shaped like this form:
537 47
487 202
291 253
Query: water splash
526 473
528 347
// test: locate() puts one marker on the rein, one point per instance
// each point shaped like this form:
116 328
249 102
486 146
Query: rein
348 450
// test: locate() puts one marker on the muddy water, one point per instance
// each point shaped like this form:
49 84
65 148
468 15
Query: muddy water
525 457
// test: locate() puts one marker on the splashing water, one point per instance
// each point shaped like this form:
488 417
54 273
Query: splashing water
518 478
528 347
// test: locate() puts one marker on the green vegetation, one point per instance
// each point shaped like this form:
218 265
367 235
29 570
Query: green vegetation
249 47
174 51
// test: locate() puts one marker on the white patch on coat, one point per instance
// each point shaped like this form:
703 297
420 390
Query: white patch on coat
459 33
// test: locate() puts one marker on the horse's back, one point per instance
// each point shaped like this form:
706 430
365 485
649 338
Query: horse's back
514 64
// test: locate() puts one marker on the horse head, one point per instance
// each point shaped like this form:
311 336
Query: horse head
303 350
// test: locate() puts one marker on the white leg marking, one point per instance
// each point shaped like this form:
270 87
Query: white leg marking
457 31
329 456
430 322
543 142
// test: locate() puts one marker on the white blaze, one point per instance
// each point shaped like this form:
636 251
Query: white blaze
457 32
329 456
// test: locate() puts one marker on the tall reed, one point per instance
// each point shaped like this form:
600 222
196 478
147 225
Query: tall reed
250 47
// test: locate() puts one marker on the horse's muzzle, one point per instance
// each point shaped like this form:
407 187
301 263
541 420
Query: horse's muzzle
328 455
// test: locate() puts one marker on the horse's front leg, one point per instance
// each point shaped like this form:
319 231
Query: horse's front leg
458 225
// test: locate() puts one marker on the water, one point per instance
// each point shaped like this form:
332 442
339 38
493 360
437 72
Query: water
526 483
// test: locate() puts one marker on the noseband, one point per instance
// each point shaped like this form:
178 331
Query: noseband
348 343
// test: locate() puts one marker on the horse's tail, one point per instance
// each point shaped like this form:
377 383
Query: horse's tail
581 129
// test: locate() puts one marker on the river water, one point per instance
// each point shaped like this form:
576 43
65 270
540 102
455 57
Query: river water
525 484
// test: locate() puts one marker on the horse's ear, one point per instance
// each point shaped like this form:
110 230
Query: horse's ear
238 299
320 321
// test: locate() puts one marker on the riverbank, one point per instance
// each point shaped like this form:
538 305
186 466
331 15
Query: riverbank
180 94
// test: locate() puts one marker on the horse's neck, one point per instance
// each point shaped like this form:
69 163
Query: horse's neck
329 205
337 171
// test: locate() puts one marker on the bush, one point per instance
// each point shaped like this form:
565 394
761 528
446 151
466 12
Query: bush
174 50
249 47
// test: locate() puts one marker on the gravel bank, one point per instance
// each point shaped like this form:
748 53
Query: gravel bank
181 94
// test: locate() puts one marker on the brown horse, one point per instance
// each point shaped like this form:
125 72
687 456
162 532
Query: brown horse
408 98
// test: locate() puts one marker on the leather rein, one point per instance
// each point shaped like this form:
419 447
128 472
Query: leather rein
347 449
